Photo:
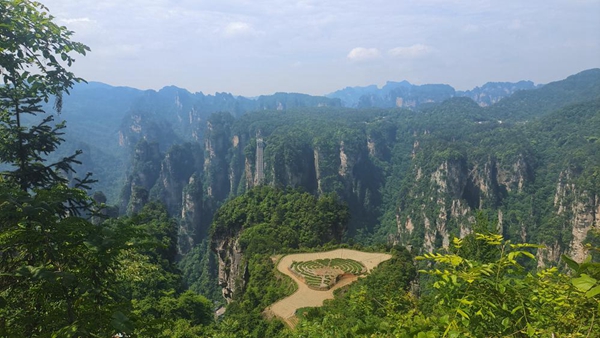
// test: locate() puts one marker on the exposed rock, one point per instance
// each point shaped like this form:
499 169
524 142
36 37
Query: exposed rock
581 211
515 178
196 216
430 234
343 171
232 270
455 191
248 174
317 171
582 221
550 253
409 225
146 170
371 147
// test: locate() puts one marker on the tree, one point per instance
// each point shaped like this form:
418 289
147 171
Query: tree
35 54
501 298
55 266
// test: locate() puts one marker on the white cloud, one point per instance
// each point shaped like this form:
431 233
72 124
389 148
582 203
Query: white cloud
411 52
238 28
307 38
76 20
363 54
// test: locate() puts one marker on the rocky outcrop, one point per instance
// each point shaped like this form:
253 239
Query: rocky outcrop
232 268
145 172
217 144
514 177
177 167
579 212
444 205
196 216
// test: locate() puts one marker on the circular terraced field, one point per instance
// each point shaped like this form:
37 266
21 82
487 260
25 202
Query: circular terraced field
309 297
322 274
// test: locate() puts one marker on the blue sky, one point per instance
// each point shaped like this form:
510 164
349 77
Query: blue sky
252 47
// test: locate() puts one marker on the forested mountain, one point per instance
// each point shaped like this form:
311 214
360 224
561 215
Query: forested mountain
177 149
415 177
406 95
289 215
107 122
493 92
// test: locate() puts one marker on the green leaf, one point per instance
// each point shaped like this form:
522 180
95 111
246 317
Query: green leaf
462 313
528 254
593 292
571 263
453 334
121 323
466 302
584 283
516 309
455 260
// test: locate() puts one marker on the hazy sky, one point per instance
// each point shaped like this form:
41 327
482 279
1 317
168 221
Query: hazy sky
252 47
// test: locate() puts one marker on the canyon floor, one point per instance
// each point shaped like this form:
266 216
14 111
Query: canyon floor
306 297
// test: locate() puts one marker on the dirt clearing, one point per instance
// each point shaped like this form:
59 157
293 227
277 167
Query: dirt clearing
306 297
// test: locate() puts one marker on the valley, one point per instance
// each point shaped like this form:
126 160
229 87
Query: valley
402 210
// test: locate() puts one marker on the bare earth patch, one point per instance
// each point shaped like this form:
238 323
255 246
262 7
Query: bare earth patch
307 297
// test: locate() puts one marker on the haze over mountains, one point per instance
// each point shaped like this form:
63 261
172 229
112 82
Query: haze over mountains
118 117
412 176
388 210
193 151
405 94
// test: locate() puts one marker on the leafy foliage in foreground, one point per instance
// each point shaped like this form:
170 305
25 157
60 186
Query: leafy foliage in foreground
473 297
57 272
159 305
56 267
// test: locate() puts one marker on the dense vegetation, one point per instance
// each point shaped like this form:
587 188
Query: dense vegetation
523 170
267 221
479 289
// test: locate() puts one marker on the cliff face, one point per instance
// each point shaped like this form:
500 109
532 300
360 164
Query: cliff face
577 210
192 180
442 194
217 143
232 268
175 178
145 172
442 204
191 212
417 178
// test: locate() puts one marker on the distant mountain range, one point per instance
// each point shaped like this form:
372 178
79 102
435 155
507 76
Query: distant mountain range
106 122
406 95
